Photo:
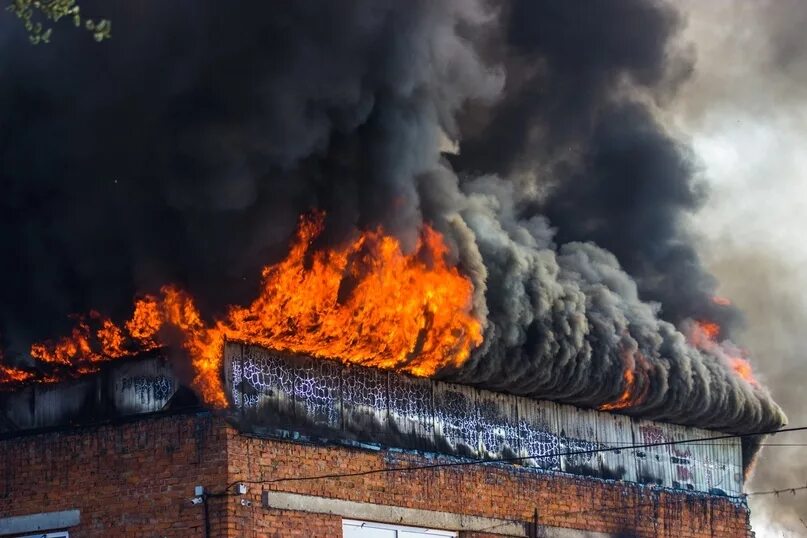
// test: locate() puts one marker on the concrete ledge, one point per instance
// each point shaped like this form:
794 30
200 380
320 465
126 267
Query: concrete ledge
44 521
410 516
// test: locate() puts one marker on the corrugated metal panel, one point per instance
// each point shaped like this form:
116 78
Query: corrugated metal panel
538 432
652 463
456 420
265 383
615 431
578 436
301 395
734 458
365 402
142 386
411 408
317 394
718 469
498 424
686 471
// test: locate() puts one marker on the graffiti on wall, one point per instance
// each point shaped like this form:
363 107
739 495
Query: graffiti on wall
280 394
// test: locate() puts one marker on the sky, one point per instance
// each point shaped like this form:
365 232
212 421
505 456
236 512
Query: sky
744 111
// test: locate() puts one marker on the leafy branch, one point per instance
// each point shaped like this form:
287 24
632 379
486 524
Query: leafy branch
35 15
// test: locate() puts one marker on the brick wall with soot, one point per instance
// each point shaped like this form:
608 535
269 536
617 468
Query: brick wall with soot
136 479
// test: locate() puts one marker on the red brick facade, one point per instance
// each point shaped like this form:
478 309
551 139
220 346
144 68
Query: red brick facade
136 479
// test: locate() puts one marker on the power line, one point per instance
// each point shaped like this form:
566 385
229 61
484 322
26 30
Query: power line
509 460
778 491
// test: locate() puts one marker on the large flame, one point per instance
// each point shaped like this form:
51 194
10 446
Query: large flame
366 302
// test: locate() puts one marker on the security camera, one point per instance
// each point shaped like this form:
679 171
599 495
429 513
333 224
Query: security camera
245 502
197 500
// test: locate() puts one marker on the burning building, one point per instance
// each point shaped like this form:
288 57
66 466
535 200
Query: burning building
320 445
336 409
413 264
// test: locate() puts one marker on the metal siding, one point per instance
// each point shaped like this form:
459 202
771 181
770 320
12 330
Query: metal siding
498 424
685 469
735 459
652 463
365 402
456 419
615 431
538 432
578 439
721 463
328 399
142 386
317 394
411 409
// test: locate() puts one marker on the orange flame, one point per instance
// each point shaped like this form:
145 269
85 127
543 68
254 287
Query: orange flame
9 375
625 400
635 364
367 303
704 336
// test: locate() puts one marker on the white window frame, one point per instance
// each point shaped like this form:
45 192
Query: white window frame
384 526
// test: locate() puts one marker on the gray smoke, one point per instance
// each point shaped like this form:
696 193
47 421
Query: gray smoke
777 318
183 150
746 102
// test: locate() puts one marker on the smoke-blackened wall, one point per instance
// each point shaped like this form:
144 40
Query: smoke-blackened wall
184 149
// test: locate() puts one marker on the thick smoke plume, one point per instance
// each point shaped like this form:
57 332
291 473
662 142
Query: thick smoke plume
184 149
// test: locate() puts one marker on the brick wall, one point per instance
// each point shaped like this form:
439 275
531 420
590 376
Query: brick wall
137 479
496 491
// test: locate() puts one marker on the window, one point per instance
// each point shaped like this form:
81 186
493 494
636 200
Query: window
60 534
368 529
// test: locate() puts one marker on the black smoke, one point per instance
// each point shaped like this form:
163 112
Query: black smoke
610 173
184 149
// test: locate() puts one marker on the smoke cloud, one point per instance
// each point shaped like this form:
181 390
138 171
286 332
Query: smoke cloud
745 109
184 149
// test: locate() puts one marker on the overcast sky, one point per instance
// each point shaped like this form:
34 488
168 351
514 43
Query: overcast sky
745 113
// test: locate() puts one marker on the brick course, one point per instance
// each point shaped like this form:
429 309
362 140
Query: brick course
137 479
